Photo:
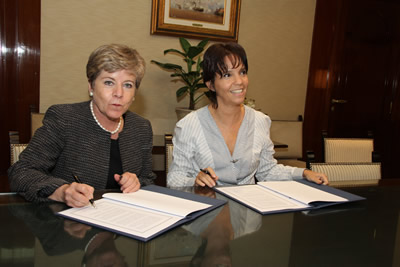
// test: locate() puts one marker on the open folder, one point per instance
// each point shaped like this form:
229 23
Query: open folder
286 196
144 214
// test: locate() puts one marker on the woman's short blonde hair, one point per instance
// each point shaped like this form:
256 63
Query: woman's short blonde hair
112 58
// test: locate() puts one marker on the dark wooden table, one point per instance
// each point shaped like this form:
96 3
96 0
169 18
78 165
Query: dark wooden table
365 233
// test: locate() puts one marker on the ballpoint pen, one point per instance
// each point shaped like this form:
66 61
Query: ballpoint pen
209 173
205 171
79 181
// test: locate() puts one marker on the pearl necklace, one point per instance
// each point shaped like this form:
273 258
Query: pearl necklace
101 126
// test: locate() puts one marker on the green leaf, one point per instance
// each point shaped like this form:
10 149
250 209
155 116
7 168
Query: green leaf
194 74
184 76
174 51
197 99
189 60
182 91
198 67
203 43
194 51
199 85
185 44
168 66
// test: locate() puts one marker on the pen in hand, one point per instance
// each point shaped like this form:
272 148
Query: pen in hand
79 182
205 171
209 174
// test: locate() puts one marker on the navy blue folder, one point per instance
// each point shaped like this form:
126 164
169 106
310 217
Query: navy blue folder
313 205
215 203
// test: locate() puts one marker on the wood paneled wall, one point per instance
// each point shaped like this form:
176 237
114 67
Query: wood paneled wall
19 73
353 85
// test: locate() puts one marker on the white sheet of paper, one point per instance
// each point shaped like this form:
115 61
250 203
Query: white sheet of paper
159 202
301 192
143 213
261 198
123 217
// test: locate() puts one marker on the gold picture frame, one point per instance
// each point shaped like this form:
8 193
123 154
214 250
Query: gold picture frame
216 19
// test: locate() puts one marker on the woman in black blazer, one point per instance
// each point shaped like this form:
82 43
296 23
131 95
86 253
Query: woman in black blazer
99 141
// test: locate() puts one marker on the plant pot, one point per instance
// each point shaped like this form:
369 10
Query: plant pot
182 112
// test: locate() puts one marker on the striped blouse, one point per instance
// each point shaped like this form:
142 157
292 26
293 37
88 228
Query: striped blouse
198 143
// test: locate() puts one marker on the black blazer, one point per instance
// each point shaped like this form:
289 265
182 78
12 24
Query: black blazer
70 141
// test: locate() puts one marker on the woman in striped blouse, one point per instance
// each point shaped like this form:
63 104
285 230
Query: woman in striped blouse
227 142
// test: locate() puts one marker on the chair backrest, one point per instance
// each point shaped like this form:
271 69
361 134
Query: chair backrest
350 174
15 150
348 149
36 121
290 133
168 151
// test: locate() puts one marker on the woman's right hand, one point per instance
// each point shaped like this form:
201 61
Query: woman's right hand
203 179
76 229
75 195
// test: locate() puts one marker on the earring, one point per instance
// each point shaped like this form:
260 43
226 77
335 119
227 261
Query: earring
90 93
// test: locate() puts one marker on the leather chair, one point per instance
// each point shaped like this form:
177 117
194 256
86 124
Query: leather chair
349 150
15 147
350 174
289 132
347 161
36 121
341 150
15 151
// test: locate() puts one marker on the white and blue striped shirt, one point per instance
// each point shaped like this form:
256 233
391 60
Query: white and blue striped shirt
198 143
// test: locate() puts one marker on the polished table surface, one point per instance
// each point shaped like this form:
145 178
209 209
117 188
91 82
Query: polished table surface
365 233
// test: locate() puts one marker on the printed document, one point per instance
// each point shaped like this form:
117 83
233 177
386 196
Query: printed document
278 195
142 213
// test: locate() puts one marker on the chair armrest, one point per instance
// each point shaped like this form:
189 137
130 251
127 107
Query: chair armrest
15 151
349 174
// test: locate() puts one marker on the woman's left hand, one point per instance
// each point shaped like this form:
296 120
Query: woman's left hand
316 177
128 182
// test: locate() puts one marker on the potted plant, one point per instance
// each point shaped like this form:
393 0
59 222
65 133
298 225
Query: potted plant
191 76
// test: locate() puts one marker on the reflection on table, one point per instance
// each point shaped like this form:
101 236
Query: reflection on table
353 234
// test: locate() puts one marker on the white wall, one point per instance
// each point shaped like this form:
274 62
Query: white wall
276 35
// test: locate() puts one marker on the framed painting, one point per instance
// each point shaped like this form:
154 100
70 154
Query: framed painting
213 19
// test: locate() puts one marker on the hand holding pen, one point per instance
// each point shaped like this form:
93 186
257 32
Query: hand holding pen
79 182
74 194
206 177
